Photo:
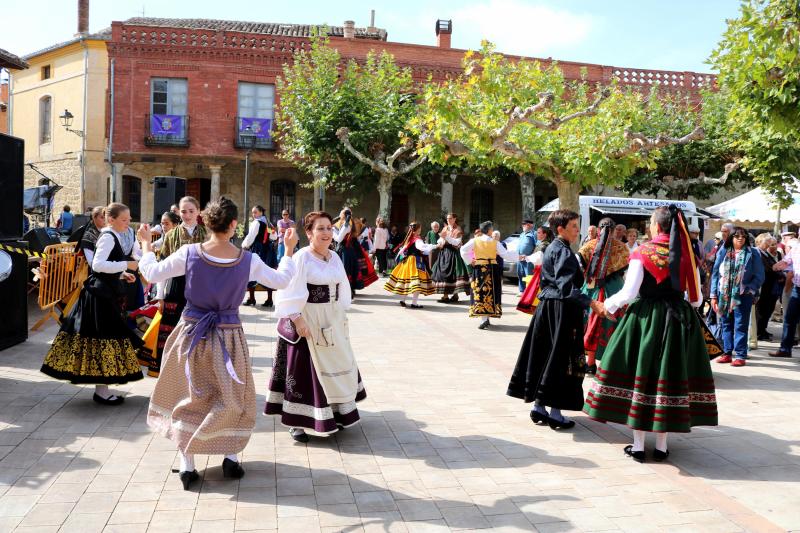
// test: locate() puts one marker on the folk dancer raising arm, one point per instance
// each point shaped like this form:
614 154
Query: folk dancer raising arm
487 276
655 375
411 276
315 382
204 399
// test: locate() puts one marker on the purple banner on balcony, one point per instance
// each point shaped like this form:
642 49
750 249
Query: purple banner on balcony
166 125
260 126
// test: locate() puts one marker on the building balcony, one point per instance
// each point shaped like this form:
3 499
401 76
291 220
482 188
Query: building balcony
257 137
166 130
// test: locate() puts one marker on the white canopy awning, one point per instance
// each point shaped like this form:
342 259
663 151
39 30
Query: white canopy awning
755 206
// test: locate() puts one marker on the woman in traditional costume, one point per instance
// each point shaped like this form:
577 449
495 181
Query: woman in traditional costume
449 272
95 344
530 297
204 399
551 363
486 289
355 259
411 275
315 382
605 260
261 240
188 232
655 374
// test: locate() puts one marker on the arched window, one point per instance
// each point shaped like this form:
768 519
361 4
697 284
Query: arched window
481 207
281 196
132 195
45 119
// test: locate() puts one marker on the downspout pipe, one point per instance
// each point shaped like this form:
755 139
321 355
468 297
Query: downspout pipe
85 120
113 181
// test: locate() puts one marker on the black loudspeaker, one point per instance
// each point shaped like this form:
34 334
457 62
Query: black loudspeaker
38 239
14 308
167 190
12 156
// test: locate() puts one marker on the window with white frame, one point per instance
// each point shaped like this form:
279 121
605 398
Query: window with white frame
45 120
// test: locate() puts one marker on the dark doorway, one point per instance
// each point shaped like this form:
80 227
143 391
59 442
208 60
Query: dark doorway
132 196
399 215
200 188
281 196
481 207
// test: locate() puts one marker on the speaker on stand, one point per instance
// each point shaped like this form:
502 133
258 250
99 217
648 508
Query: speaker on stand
167 190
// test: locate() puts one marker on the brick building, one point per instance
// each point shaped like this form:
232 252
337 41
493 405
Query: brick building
183 90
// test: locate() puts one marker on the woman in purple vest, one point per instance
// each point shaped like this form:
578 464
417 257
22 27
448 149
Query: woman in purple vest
205 398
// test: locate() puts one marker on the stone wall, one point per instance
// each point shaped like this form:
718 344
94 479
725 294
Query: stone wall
65 172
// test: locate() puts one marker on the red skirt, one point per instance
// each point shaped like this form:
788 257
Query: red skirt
530 298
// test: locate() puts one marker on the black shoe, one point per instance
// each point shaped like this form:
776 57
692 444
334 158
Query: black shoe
636 456
415 306
402 303
268 303
232 469
250 301
560 424
483 325
454 298
591 369
299 436
187 478
764 337
539 419
444 299
659 456
112 400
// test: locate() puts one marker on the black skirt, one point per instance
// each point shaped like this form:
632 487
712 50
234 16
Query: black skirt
95 344
551 362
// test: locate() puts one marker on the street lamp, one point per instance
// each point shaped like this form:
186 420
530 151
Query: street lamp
66 121
248 141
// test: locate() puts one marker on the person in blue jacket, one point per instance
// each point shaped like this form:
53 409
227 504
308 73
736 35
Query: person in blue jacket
525 247
735 283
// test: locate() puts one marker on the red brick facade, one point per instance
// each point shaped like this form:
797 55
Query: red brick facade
214 62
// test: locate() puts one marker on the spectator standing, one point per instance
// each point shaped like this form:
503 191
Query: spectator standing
772 287
525 247
395 238
620 232
432 237
380 245
590 234
791 305
283 224
632 235
735 281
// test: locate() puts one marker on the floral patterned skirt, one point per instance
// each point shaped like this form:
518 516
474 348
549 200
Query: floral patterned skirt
486 290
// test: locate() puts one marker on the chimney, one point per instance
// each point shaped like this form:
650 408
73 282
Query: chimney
372 28
83 18
349 29
444 30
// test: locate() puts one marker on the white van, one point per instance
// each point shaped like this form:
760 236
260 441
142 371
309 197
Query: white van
633 212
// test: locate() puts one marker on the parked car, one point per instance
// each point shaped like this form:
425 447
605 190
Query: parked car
510 267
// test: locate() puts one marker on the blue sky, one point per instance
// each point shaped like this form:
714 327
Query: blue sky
658 34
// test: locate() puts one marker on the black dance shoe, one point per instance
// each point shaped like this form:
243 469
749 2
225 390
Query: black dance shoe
454 298
483 325
187 478
232 469
402 303
299 436
636 456
539 419
444 299
415 306
660 456
560 424
112 400
268 303
250 301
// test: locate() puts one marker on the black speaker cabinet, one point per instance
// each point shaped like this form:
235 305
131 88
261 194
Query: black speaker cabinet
14 308
167 190
38 239
12 155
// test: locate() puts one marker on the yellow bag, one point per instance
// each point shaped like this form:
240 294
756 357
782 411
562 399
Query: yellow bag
150 336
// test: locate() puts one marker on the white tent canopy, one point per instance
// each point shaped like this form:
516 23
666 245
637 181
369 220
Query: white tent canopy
755 206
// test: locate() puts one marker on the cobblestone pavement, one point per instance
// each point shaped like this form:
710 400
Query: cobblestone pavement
440 448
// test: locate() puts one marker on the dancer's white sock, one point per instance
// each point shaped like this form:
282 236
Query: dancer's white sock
638 440
661 441
233 457
555 414
102 391
485 320
187 462
414 298
539 408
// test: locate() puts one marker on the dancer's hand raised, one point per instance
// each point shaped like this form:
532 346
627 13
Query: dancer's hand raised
290 239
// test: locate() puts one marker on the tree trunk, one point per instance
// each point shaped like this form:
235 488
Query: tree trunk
778 226
385 195
526 185
568 195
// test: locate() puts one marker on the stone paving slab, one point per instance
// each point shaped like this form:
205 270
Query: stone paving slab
440 448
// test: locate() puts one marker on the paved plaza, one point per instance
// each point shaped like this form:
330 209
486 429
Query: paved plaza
440 448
